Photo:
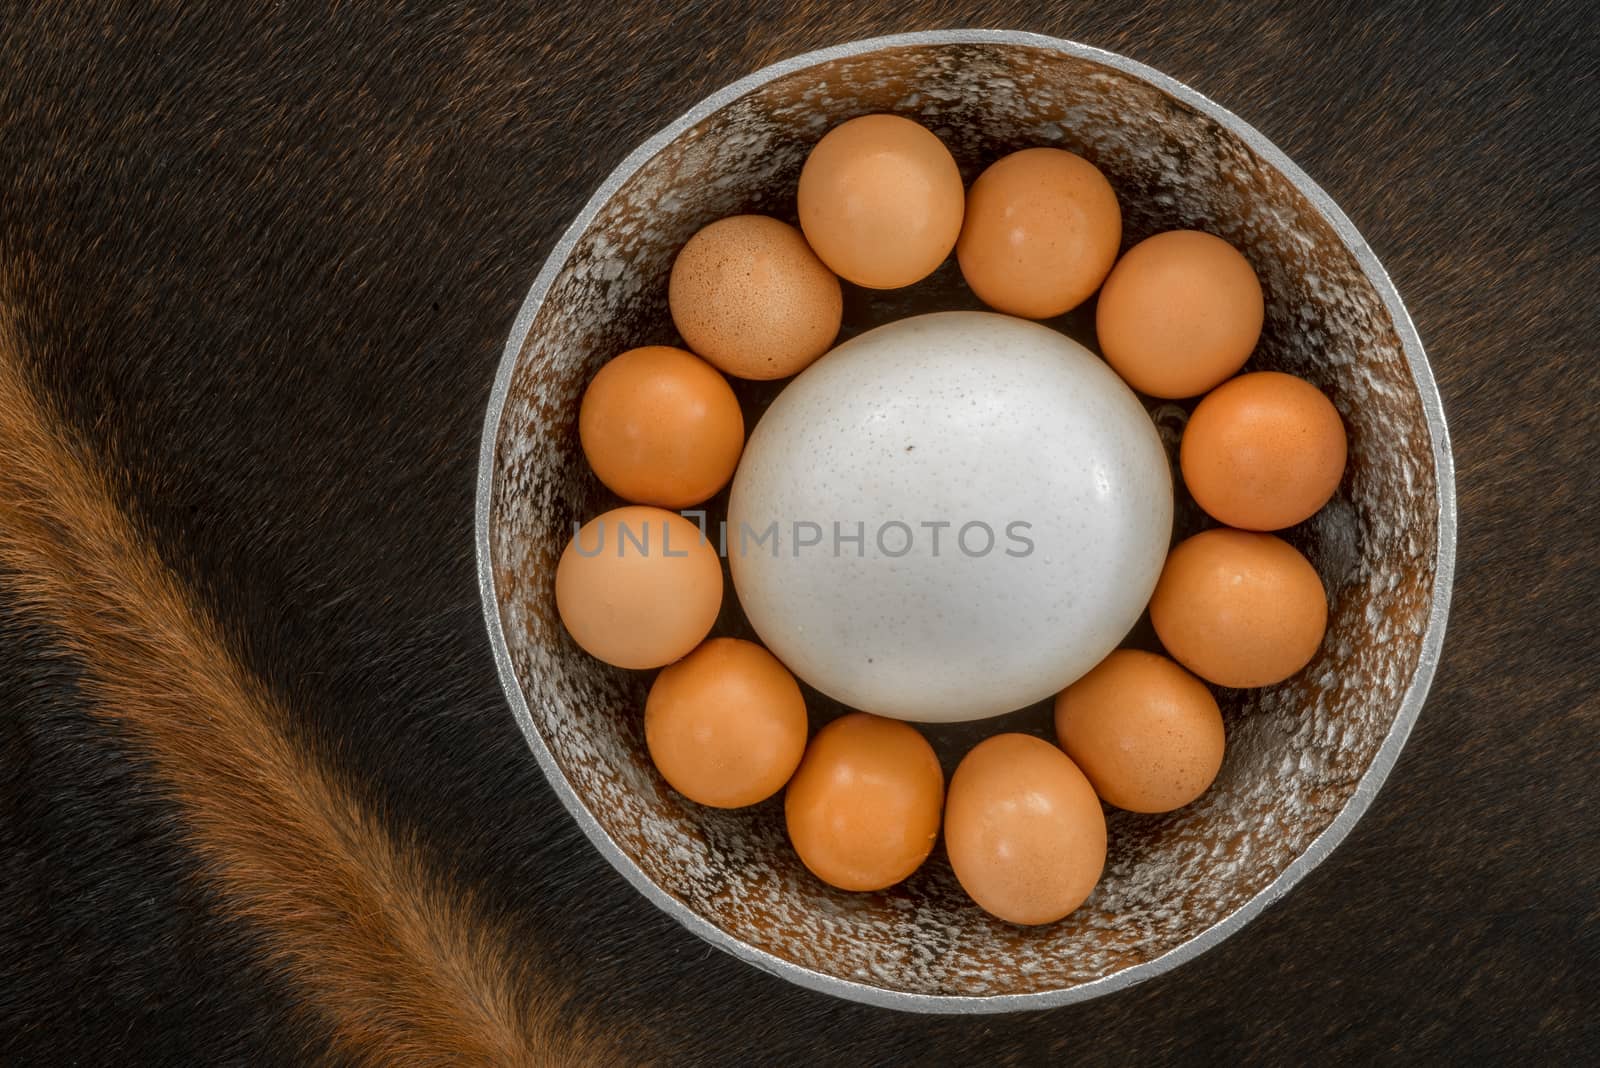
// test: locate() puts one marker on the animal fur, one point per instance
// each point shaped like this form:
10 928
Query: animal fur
260 797
399 967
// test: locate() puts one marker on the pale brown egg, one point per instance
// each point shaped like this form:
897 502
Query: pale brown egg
881 200
1041 231
1146 732
863 810
749 295
1024 829
1239 608
1263 451
1180 312
726 725
661 426
638 587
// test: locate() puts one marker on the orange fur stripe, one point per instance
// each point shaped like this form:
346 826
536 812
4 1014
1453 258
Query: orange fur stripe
403 969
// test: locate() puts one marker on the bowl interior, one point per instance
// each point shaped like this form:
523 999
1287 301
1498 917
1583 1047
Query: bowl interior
1296 751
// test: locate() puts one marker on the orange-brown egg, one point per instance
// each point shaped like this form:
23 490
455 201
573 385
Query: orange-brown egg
1146 732
1239 608
749 295
638 587
1024 829
726 725
880 200
863 810
1263 451
1179 313
1041 231
660 426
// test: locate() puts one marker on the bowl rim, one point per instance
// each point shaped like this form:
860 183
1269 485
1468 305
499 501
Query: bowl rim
1366 789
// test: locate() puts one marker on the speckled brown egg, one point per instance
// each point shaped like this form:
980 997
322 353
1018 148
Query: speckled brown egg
881 201
749 295
1041 231
638 587
1024 829
1179 313
1239 608
1146 732
1263 451
661 426
726 725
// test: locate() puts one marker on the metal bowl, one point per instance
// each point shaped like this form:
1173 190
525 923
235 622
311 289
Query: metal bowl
1305 758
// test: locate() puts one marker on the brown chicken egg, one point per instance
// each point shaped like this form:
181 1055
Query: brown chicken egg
1263 451
1041 231
1239 608
1024 829
1146 732
1180 312
863 810
660 426
726 725
638 587
881 201
749 295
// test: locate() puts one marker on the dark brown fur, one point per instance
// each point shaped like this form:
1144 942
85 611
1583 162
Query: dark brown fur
400 967
272 253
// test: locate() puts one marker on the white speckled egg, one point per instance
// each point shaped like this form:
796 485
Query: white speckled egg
949 517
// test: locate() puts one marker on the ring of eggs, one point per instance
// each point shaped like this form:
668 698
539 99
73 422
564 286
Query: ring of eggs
1039 446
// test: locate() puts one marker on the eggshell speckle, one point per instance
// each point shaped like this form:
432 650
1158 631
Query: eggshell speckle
748 294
